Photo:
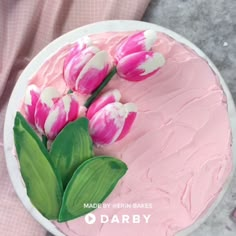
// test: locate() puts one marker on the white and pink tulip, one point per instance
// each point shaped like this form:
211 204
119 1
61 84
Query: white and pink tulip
50 112
141 41
48 97
31 98
86 67
65 110
140 65
110 120
134 59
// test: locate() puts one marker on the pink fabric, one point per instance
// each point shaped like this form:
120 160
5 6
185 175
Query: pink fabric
27 26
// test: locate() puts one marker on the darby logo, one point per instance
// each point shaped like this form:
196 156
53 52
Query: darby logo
90 219
115 219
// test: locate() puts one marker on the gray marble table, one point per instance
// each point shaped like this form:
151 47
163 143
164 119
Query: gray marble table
211 25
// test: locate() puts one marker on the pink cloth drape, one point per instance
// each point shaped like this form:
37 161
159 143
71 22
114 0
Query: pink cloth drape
26 26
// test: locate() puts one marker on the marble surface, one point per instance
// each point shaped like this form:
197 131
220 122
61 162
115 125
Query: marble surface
211 25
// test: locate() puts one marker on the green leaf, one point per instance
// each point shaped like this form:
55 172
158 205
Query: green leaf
43 185
92 182
72 146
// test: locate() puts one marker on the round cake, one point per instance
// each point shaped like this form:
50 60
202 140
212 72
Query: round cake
177 148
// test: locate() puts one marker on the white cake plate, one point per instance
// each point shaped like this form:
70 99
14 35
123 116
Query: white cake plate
52 48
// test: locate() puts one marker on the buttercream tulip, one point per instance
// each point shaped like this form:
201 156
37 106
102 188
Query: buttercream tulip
85 68
132 112
112 121
75 62
31 98
65 110
107 98
140 65
47 98
141 41
53 111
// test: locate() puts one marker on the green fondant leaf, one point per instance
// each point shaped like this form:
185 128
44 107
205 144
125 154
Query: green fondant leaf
43 185
72 146
91 183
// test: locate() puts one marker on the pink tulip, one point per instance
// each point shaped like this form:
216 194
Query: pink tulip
49 112
141 41
85 68
140 65
108 97
132 112
30 101
110 120
65 110
47 98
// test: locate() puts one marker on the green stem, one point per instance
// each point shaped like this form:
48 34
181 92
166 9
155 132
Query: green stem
100 88
45 141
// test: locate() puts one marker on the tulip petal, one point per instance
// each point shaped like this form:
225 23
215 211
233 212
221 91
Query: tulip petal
139 66
75 62
141 41
77 48
103 100
106 125
132 112
31 98
65 110
46 100
93 73
80 45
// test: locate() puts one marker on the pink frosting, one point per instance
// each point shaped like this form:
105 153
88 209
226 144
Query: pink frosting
178 151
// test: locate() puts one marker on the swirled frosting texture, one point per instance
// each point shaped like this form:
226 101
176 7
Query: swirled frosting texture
178 151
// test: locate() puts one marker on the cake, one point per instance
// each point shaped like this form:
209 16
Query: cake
177 147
